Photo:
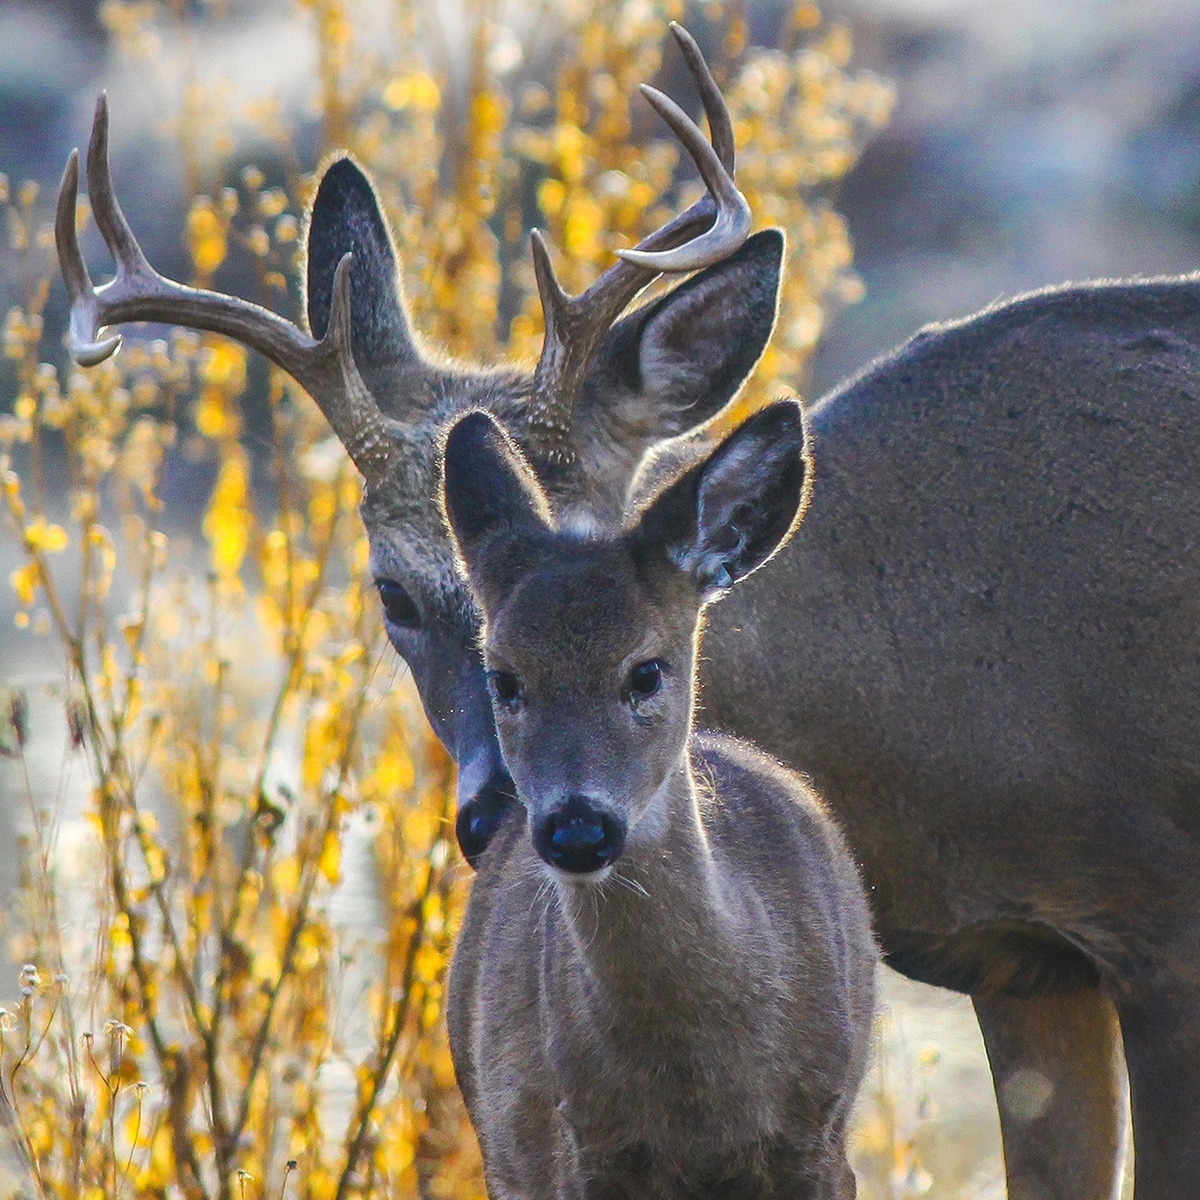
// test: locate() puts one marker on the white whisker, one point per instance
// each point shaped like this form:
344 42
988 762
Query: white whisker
630 885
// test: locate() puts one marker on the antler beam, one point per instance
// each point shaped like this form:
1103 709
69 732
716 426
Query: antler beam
325 368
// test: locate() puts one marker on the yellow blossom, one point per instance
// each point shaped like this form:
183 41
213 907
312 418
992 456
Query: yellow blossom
419 91
206 236
44 537
489 112
210 416
330 861
223 364
24 581
226 524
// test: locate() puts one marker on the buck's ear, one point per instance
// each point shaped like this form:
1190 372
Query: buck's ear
493 504
726 516
677 361
346 218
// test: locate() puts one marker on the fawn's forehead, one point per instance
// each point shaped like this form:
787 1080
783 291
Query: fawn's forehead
583 605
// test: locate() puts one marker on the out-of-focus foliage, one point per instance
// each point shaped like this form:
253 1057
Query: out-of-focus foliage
195 1020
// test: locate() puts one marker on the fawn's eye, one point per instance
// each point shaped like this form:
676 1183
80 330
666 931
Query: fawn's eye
645 679
505 687
398 605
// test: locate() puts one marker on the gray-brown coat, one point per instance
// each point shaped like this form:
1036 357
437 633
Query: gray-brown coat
663 986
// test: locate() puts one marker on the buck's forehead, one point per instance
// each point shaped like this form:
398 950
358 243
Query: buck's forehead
400 552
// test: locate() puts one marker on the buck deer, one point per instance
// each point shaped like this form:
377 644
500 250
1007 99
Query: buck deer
982 650
664 981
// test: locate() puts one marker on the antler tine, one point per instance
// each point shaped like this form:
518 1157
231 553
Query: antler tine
706 233
88 351
731 225
325 368
106 208
354 415
556 303
720 126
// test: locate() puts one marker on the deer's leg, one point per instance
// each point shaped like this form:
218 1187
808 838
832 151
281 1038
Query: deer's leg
1162 1040
1060 1083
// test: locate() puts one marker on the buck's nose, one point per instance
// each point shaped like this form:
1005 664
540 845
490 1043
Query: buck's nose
579 837
480 817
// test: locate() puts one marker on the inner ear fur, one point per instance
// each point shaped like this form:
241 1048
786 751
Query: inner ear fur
677 361
728 514
495 509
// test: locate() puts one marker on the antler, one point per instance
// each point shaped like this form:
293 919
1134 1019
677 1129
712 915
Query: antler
324 368
709 231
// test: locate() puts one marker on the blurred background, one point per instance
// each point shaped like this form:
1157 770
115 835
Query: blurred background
1029 144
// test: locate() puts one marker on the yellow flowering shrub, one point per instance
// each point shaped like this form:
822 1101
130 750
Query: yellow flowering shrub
198 1017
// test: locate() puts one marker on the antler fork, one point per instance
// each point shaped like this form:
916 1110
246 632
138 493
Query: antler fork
325 367
710 230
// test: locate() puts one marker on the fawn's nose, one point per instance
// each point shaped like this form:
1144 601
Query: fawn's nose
579 837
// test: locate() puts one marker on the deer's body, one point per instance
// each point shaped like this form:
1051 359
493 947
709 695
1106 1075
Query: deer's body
985 648
698 1028
992 620
664 982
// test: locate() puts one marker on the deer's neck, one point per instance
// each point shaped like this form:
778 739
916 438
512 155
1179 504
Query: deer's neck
630 944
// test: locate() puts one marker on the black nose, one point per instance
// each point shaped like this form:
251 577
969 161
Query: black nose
480 817
579 837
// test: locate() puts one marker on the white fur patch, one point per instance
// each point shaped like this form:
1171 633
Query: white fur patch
578 523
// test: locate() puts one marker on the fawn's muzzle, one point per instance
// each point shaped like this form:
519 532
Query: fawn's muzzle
579 837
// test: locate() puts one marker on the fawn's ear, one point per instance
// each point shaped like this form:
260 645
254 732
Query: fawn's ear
674 363
725 516
346 217
494 507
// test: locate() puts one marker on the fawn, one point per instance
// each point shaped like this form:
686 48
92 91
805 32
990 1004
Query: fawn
664 982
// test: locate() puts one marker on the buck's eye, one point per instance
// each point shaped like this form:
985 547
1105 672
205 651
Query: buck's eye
505 687
645 679
398 605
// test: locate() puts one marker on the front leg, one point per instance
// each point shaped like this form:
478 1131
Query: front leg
1162 1042
1060 1082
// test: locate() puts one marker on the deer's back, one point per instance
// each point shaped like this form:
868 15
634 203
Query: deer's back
984 641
